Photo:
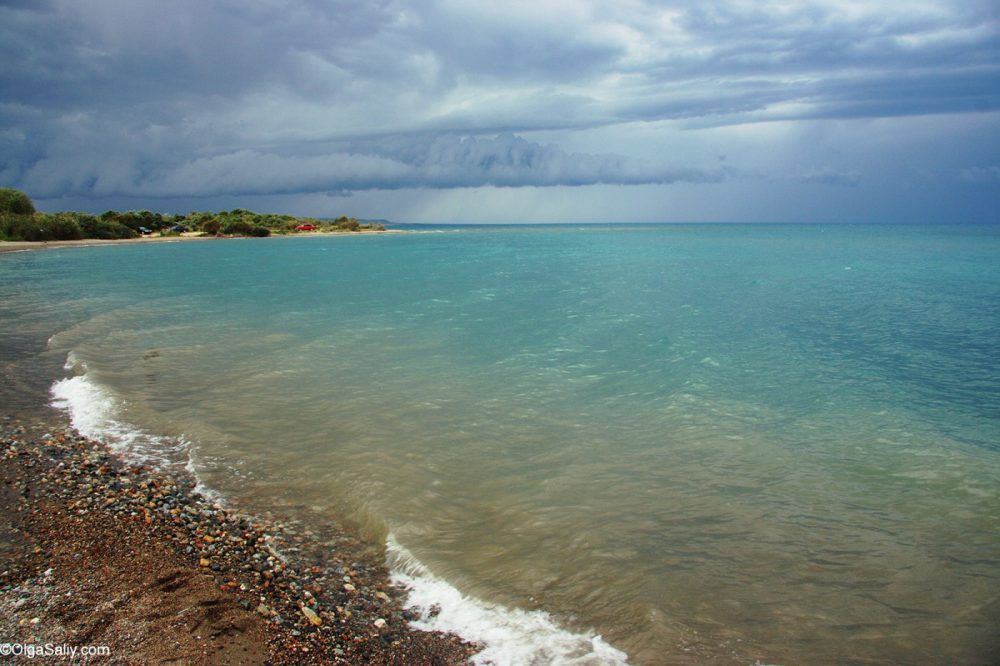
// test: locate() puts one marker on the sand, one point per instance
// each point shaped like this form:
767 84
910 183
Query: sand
21 246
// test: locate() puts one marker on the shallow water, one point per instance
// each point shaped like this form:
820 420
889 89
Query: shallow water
702 443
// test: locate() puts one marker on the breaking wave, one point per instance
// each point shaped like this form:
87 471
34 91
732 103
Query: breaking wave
508 636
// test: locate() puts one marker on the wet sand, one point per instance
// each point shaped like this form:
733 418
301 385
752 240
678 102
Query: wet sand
21 246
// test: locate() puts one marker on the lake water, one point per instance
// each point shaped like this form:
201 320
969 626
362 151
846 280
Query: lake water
701 444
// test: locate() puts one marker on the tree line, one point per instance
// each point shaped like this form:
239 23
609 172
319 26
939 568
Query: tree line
19 221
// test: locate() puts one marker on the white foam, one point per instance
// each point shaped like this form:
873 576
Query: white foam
73 363
509 637
95 413
199 486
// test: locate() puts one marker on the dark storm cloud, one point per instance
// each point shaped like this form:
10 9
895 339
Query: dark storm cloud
103 54
144 98
441 161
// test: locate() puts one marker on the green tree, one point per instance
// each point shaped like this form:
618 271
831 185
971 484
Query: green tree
347 223
210 226
16 202
100 227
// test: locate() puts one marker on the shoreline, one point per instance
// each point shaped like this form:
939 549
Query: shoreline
98 551
24 246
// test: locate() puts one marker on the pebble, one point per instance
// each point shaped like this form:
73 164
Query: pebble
290 577
311 616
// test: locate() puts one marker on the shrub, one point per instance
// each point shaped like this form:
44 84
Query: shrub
9 226
40 227
134 219
237 228
260 232
94 227
347 223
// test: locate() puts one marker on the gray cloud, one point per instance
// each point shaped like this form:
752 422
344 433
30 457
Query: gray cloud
442 161
477 64
142 98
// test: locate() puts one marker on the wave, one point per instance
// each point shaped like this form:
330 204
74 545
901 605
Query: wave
96 412
508 637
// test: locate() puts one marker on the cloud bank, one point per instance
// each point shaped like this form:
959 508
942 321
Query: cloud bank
142 99
437 162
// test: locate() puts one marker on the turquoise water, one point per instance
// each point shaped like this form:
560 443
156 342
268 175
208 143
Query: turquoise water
706 444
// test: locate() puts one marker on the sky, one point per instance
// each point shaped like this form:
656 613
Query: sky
469 111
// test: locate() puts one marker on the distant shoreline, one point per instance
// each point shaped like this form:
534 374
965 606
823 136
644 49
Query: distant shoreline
23 246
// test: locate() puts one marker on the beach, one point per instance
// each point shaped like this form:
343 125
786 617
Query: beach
643 445
680 347
21 246
135 566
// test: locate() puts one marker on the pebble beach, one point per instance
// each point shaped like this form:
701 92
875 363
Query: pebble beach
96 552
